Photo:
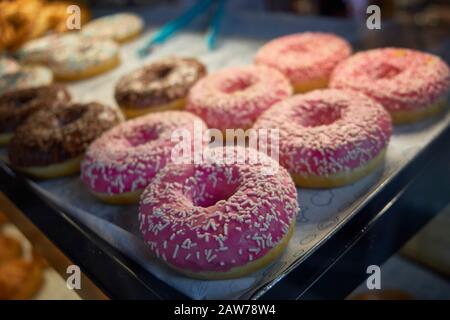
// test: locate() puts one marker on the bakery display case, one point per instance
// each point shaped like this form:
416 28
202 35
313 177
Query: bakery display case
339 231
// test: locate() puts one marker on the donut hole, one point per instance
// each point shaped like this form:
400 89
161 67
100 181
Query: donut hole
25 99
297 47
320 114
142 136
156 73
384 70
163 72
218 194
70 115
209 191
238 84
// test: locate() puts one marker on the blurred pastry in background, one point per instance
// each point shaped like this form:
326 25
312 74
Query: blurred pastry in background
120 27
17 105
38 51
21 266
26 77
23 20
10 248
17 22
85 57
19 279
71 56
39 258
52 141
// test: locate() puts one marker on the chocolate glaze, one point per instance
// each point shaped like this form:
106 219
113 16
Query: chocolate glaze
158 83
60 132
16 106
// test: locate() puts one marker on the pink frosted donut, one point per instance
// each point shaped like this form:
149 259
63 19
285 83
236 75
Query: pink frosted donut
217 220
329 137
410 84
307 59
122 162
233 98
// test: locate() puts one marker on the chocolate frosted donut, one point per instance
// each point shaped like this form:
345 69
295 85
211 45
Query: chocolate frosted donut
17 105
162 85
52 141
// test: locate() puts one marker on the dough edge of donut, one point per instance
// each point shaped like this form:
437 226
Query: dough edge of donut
134 112
61 169
341 178
310 85
88 72
412 116
12 249
242 271
123 198
131 36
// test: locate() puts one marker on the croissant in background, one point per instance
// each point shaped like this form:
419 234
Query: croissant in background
22 20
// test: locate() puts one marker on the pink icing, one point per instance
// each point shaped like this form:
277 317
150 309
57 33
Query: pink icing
127 157
305 56
399 79
215 216
235 97
328 131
